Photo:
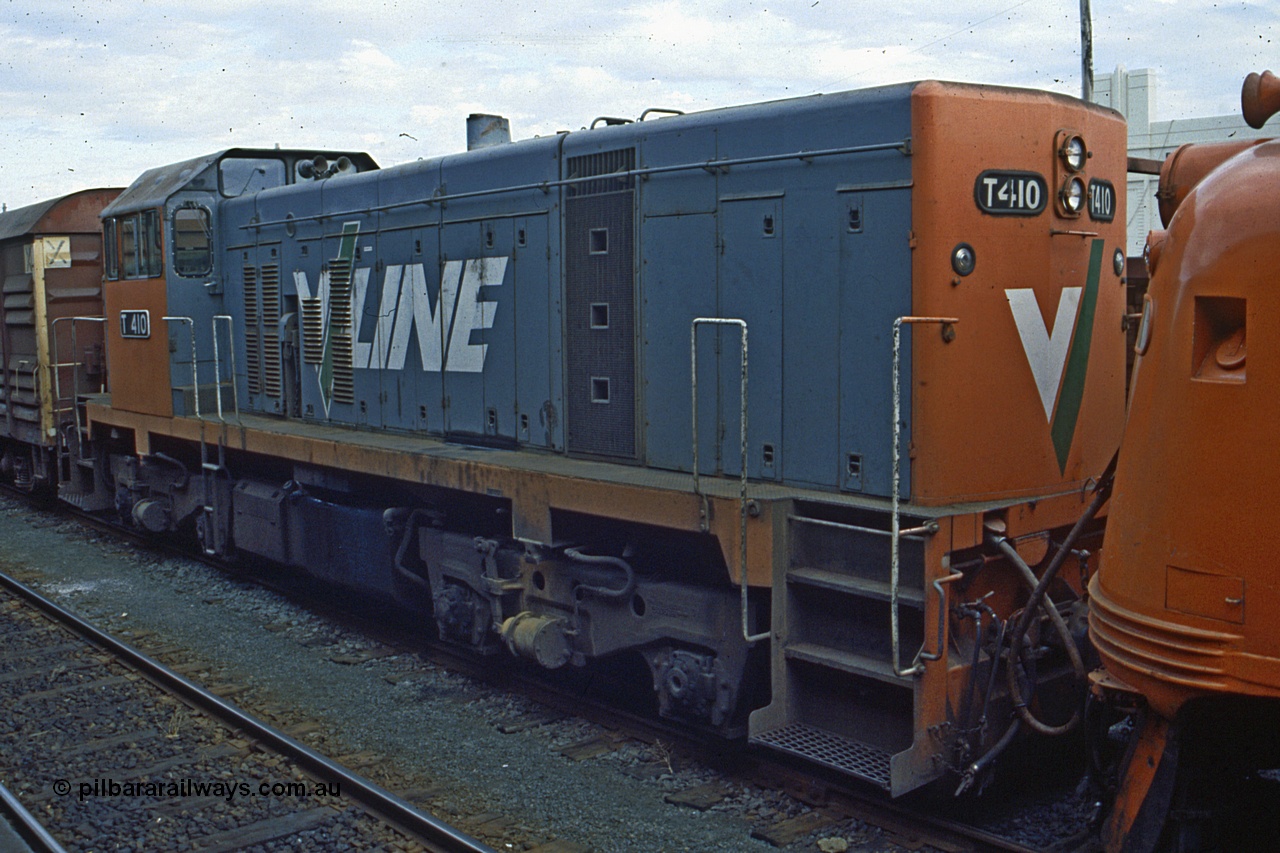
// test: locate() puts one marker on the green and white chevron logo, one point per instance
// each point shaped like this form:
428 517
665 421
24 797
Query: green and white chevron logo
1060 360
339 279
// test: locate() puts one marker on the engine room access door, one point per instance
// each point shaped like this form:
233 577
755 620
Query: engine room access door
751 290
599 236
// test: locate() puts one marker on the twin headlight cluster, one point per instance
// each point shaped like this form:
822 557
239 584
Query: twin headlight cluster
1073 194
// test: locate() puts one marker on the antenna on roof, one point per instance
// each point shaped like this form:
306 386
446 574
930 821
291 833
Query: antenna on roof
1086 51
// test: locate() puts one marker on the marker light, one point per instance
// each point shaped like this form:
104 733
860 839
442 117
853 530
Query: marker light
963 259
1117 261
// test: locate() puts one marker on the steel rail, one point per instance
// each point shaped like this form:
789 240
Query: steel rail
26 826
435 835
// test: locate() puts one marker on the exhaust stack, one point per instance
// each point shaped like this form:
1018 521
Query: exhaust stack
485 131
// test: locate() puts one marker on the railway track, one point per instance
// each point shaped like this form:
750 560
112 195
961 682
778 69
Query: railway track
829 802
104 744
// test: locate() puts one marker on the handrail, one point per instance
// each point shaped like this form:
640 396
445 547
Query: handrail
195 381
942 617
662 110
896 532
217 365
903 146
915 534
697 486
75 372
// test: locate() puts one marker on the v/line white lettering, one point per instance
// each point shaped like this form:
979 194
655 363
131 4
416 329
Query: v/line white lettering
405 313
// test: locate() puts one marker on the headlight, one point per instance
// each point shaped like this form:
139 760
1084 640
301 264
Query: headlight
1074 153
1072 196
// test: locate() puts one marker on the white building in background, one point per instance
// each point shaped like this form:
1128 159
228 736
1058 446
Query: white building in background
1133 94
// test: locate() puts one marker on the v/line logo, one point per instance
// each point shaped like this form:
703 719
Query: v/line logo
1060 360
404 312
443 331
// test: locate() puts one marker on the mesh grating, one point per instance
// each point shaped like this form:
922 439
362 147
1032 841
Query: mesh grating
831 750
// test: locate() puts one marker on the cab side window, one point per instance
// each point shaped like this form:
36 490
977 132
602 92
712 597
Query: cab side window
110 249
192 251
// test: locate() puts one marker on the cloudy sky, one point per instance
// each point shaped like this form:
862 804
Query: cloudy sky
92 93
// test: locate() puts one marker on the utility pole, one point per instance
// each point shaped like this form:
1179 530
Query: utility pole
1086 51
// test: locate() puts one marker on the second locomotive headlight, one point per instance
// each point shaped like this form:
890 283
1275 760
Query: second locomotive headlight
1071 196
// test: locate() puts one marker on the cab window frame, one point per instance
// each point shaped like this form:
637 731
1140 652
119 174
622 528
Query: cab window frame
110 249
134 245
238 176
183 251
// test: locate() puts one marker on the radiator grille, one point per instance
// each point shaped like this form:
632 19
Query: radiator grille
600 305
312 330
271 368
343 378
271 295
253 359
252 336
340 329
271 364
250 296
611 166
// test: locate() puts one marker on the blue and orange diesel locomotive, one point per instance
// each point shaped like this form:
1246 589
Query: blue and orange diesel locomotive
791 404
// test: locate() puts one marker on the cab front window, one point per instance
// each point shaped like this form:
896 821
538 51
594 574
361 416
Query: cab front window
129 247
241 175
134 244
192 252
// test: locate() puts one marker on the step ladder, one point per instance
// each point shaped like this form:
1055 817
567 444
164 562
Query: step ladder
839 699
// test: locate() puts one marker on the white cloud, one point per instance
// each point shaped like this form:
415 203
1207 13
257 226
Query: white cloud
93 93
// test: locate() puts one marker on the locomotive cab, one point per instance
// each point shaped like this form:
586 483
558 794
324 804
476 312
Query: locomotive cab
171 345
162 272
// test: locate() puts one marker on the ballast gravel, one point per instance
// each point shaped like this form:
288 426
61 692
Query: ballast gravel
412 723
